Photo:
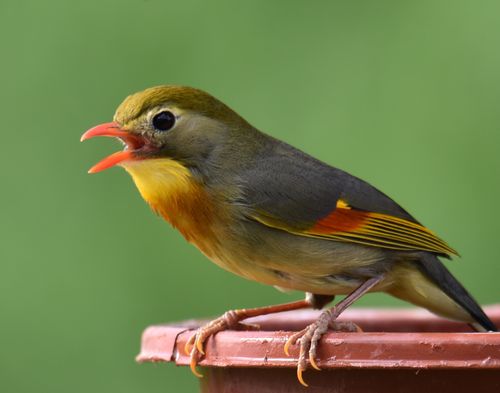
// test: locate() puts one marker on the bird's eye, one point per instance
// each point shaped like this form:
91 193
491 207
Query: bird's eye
164 121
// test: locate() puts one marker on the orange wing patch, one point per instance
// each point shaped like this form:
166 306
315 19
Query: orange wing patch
376 229
342 219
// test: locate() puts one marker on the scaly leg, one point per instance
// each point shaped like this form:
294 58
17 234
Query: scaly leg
310 336
230 320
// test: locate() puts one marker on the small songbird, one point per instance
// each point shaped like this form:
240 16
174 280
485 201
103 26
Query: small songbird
269 212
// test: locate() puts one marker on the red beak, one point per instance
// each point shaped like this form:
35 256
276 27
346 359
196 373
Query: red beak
133 142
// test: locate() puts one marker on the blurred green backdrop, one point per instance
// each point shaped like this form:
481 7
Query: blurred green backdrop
402 94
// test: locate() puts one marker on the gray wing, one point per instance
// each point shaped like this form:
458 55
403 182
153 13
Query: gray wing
292 191
290 185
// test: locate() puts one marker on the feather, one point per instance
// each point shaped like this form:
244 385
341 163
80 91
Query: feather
330 204
376 229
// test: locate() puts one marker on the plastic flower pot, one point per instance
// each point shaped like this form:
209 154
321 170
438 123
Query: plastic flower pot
398 351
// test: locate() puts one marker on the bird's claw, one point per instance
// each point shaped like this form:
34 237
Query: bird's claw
292 340
309 339
194 347
193 362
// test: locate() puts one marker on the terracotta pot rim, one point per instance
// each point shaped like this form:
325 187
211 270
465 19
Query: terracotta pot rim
391 340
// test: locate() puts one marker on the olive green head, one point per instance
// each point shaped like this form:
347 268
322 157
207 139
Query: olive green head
181 123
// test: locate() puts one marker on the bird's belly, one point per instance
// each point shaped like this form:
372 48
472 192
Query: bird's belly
298 263
288 279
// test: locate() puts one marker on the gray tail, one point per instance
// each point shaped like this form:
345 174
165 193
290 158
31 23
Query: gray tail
434 269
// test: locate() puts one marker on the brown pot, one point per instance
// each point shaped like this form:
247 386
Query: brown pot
399 351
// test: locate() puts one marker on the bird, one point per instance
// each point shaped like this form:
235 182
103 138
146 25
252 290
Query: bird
269 212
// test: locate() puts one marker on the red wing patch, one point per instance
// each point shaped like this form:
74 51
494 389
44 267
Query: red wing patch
341 220
376 229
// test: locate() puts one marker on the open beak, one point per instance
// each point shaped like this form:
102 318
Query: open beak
132 144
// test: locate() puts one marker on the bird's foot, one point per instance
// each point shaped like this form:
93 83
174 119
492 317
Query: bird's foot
232 320
229 320
310 336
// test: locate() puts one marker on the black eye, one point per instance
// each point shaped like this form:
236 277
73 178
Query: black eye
164 121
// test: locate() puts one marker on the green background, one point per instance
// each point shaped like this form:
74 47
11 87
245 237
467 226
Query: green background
403 94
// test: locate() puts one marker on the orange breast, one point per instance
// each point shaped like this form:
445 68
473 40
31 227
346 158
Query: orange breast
171 191
190 212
